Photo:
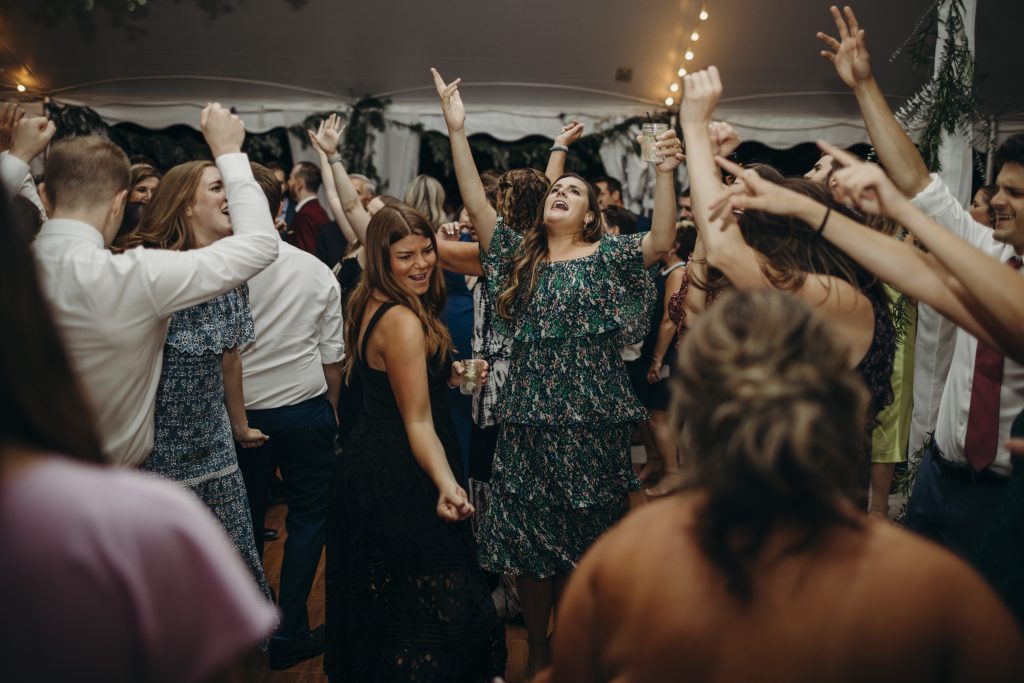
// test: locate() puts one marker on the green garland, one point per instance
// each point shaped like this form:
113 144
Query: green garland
901 318
946 103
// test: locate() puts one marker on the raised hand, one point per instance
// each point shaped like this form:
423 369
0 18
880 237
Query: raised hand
453 504
328 135
864 185
449 232
571 132
723 137
224 132
751 191
451 102
9 115
701 92
30 136
848 54
670 150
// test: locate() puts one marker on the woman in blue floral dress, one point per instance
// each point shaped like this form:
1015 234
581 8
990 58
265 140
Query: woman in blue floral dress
570 298
194 439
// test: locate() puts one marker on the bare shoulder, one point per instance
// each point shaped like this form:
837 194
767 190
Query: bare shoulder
401 331
942 590
651 530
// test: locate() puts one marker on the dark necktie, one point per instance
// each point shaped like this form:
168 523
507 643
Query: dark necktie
982 438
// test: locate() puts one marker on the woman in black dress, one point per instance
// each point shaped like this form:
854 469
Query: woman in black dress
406 600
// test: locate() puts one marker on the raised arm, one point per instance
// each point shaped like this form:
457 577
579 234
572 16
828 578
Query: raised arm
723 243
662 236
174 280
326 139
571 132
407 373
22 140
333 200
457 256
915 274
895 149
472 190
996 291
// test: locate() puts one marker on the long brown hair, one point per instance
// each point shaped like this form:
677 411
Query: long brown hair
772 421
790 249
529 257
42 404
164 223
389 225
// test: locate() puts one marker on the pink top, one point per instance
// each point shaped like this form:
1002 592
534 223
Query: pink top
112 575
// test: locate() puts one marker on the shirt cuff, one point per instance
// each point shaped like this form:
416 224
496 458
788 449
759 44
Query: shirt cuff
13 170
931 196
234 166
331 354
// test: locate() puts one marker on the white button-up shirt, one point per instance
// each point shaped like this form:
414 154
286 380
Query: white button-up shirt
296 309
951 429
17 179
112 309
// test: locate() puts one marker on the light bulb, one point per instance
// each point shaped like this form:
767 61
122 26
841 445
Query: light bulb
682 71
689 55
669 101
703 15
695 36
21 88
674 87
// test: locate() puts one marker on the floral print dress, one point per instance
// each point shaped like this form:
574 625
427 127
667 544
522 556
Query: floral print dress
562 469
193 445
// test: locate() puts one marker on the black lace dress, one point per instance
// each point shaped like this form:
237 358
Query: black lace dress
406 600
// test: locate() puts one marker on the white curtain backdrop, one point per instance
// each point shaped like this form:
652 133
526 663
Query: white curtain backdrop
396 154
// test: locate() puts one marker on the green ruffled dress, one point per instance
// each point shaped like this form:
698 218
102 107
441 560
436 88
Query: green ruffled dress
562 468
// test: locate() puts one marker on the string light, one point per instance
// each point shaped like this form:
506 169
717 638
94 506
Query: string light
21 88
688 56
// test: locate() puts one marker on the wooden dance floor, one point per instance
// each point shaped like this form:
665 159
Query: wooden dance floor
311 671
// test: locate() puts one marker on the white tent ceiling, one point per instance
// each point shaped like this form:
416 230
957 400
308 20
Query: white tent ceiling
523 63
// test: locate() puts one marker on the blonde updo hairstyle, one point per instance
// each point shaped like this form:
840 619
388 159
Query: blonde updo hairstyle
773 426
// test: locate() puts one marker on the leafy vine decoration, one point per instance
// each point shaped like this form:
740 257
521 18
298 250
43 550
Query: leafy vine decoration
947 102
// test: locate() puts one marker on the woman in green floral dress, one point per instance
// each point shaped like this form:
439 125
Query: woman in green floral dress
569 297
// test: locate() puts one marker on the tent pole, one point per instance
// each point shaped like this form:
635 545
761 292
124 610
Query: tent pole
993 130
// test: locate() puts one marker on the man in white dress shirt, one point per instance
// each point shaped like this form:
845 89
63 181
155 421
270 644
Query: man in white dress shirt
113 309
290 378
966 467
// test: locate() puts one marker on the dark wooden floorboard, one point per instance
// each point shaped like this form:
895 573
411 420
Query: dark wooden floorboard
311 671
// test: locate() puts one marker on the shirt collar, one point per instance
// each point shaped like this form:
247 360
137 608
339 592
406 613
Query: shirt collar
307 200
68 227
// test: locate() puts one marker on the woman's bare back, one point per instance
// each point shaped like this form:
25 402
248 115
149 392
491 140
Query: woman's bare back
874 604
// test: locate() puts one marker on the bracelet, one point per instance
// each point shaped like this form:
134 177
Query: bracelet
821 228
334 158
559 148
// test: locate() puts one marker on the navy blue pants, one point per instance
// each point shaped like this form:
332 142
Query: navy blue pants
301 444
952 505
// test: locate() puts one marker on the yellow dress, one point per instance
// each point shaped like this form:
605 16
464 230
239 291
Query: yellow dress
891 436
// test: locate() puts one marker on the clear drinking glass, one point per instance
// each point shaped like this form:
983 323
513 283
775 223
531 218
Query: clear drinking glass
649 133
469 382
